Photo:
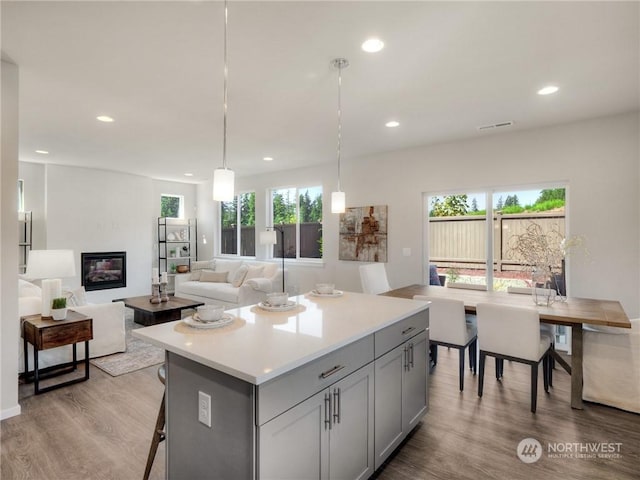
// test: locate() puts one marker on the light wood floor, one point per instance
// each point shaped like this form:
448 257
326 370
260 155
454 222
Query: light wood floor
101 429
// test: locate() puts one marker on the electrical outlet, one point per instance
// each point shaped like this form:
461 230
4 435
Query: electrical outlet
204 409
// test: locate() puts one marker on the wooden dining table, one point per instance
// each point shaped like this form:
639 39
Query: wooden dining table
573 312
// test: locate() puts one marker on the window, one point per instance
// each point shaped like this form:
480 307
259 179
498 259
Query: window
171 206
299 212
458 236
238 225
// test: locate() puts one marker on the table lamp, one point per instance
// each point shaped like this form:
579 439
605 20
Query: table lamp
268 237
50 266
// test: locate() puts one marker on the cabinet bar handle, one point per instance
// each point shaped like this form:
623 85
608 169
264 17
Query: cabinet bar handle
408 330
411 355
405 359
336 405
327 411
331 371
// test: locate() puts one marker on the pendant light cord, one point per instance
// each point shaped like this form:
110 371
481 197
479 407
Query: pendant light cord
339 119
226 74
340 63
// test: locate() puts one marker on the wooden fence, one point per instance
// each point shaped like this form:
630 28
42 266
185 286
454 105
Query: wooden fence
310 241
461 242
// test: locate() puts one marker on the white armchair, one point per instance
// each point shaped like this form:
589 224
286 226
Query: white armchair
611 366
108 329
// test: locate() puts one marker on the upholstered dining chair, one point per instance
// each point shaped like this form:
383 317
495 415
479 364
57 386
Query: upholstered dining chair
373 278
545 329
513 333
448 327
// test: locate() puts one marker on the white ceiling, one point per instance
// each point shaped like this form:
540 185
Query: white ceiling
447 68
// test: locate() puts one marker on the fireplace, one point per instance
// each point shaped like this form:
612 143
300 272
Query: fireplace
103 270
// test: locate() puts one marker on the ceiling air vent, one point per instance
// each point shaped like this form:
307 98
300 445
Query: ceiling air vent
482 128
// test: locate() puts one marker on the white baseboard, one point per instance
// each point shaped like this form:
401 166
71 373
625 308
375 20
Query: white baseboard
10 412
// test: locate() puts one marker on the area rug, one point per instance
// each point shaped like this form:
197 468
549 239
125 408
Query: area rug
139 354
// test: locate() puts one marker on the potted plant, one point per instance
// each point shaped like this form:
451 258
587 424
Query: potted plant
59 308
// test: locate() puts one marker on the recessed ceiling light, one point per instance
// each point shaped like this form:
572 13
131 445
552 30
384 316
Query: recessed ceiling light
548 90
373 45
187 174
268 159
392 124
42 152
104 118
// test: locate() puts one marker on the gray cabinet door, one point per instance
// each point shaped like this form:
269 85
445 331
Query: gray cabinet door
351 435
295 445
415 382
389 432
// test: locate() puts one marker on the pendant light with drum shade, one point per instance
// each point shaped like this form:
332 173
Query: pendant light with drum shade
338 200
224 178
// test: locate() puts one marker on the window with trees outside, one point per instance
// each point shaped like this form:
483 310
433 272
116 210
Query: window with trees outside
458 236
238 226
171 206
299 212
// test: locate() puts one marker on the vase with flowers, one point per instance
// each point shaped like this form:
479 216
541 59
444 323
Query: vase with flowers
543 252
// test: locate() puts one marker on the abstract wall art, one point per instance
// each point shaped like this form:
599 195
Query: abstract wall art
363 234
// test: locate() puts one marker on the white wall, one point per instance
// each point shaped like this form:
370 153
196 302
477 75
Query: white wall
9 322
598 158
98 211
33 175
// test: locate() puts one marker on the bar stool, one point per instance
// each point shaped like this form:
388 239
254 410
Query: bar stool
158 433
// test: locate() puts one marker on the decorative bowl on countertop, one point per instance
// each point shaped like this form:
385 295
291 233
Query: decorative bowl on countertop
277 299
182 268
325 288
210 313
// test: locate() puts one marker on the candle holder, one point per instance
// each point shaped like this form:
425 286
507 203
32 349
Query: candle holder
155 293
164 297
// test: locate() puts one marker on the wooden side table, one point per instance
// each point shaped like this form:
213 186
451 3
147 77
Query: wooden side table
45 333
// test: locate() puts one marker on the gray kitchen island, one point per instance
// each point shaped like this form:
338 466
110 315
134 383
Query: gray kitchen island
325 390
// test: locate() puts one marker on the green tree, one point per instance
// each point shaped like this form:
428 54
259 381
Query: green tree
229 213
500 204
316 209
512 201
450 206
551 194
474 205
305 207
284 209
248 209
169 206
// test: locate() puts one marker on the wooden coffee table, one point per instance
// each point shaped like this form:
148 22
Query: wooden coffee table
147 313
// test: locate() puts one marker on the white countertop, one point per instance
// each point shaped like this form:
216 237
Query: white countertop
261 345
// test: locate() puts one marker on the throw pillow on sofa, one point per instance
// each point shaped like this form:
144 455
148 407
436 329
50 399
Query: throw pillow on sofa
210 276
230 266
28 289
254 272
75 298
199 265
237 277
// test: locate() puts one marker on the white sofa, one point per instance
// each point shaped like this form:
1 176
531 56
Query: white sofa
232 283
108 329
611 366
